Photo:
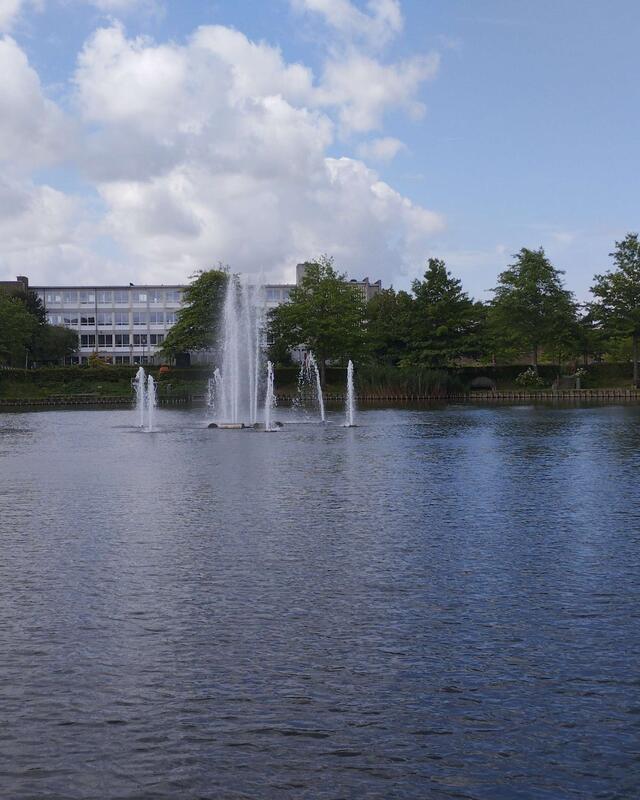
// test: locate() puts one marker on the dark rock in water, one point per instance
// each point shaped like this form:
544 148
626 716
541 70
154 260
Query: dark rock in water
278 424
212 425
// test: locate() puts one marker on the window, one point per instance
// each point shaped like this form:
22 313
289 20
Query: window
105 297
156 338
70 297
172 296
155 296
156 317
140 317
70 317
87 340
140 339
121 298
55 319
121 319
285 294
121 339
122 359
105 340
272 293
87 297
139 297
53 297
72 360
87 320
105 318
140 360
170 318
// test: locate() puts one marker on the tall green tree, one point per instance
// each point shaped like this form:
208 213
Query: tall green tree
617 293
445 321
325 313
389 319
197 320
54 344
531 309
17 328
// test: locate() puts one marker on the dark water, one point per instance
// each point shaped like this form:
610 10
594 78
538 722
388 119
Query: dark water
437 604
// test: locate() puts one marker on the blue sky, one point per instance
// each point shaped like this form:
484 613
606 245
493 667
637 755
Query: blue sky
134 148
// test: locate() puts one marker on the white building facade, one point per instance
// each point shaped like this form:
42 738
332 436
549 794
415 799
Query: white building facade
128 324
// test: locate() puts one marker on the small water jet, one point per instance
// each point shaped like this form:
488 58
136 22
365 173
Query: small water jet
152 402
350 400
269 400
309 387
139 384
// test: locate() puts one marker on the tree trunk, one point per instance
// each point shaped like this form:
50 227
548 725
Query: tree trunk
635 360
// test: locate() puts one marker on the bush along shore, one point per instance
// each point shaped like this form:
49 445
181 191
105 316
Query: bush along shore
113 385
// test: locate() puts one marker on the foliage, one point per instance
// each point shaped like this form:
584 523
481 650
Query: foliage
445 322
54 343
389 318
617 292
388 381
530 378
17 327
531 308
324 313
197 320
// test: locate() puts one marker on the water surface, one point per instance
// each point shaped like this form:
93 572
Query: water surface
436 604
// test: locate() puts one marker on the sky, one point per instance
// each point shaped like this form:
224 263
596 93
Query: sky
141 140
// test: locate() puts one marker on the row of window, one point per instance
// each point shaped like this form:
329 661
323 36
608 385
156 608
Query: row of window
116 360
115 297
108 318
121 339
277 293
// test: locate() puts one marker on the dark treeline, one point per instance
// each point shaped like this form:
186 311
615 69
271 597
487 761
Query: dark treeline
25 335
532 316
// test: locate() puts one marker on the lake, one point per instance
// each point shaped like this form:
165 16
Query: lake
439 603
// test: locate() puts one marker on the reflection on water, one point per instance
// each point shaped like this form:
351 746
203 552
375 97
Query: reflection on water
438 603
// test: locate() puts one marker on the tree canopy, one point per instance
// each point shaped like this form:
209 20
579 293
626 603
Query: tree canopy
17 327
617 293
325 313
531 308
197 320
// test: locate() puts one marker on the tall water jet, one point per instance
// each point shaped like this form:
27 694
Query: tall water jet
139 384
152 402
241 353
350 402
312 367
269 400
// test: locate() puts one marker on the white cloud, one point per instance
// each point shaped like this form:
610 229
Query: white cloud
232 142
383 149
362 90
376 28
9 12
33 130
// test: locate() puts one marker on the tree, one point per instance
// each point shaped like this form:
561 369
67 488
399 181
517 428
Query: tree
617 307
17 327
445 321
54 344
531 309
389 316
325 313
197 320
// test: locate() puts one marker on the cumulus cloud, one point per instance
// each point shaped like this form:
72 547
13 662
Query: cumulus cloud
9 12
33 130
215 149
385 148
233 144
377 27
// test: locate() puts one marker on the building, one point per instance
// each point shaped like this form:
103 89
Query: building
124 324
21 284
128 324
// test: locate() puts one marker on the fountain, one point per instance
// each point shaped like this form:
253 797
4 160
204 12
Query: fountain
309 381
350 401
269 400
152 401
139 384
237 381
